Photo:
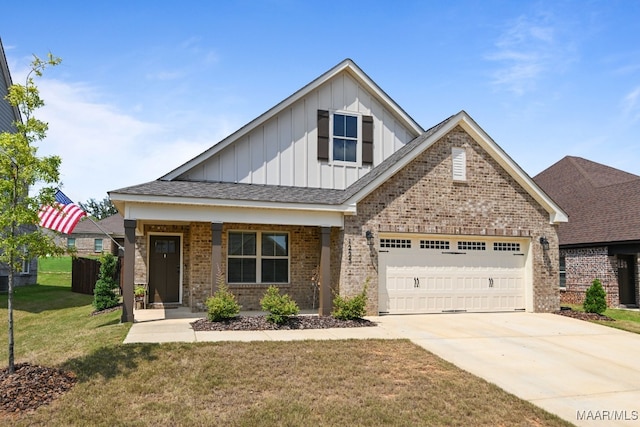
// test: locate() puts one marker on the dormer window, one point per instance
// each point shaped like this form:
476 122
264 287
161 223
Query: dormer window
344 137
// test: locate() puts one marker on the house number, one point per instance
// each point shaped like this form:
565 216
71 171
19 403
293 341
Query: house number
416 282
490 282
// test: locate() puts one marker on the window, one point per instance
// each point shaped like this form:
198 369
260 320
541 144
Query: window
258 257
563 273
395 243
97 245
26 262
71 242
506 247
434 244
472 246
345 138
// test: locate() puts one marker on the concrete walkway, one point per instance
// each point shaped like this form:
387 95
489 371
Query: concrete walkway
585 373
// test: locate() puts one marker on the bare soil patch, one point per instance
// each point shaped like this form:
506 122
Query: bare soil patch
260 323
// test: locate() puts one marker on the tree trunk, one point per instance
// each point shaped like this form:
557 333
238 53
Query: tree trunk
10 315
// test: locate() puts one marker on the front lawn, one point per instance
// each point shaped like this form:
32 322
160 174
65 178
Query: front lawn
349 382
627 320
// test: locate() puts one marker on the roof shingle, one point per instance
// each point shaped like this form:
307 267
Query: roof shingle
603 203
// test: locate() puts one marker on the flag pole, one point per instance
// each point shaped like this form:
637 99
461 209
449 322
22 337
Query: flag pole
120 247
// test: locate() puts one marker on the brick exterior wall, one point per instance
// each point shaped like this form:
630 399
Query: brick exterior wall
583 265
422 198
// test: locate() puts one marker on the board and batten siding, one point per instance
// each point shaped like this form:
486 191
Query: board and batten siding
7 116
283 150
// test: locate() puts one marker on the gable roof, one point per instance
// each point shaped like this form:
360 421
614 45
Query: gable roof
269 196
347 66
113 225
603 203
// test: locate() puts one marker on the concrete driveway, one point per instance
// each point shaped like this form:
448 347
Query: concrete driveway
585 373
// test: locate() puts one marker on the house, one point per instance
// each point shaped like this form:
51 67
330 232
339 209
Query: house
337 182
8 116
94 238
602 238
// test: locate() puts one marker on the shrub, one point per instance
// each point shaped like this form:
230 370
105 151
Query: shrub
280 307
595 300
104 296
223 304
351 308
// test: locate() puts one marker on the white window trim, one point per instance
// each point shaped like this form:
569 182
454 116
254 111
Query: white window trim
358 161
74 242
95 249
258 257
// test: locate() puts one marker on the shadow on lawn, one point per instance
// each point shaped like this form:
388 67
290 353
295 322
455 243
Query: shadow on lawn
39 298
109 362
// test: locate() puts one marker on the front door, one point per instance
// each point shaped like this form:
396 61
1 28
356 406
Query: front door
164 269
626 279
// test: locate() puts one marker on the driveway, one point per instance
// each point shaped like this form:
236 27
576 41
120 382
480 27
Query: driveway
585 373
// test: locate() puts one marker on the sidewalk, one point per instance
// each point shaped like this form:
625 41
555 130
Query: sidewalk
174 325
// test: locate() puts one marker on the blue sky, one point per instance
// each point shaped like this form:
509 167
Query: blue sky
146 85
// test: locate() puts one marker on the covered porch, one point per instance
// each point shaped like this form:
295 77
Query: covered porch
181 263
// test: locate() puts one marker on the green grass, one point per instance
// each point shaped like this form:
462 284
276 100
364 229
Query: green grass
349 382
627 320
54 271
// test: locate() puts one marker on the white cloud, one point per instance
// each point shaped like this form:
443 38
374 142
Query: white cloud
104 149
630 104
527 49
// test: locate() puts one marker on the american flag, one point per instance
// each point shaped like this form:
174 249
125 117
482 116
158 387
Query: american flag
63 216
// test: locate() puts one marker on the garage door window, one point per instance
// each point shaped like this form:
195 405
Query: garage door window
395 243
506 247
472 246
434 244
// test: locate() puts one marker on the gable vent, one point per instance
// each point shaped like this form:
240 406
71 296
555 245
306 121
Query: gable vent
459 164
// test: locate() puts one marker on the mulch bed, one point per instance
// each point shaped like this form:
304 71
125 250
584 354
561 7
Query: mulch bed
260 323
584 316
32 386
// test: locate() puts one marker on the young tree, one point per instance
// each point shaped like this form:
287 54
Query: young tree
99 210
20 170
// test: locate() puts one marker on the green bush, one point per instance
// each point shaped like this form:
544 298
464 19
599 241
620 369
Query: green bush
104 296
595 300
351 308
223 304
280 307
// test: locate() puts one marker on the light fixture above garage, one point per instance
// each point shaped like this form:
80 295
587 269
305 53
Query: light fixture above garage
545 243
369 236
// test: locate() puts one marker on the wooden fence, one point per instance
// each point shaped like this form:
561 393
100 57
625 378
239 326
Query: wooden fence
85 273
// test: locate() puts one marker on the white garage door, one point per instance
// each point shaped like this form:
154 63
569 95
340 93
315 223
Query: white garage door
426 275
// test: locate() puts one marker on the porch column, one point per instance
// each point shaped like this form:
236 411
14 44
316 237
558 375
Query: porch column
216 253
129 267
325 272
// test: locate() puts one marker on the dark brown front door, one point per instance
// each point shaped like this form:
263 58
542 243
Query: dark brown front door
164 269
626 279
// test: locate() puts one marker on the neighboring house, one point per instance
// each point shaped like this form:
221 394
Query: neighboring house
602 238
8 116
338 183
88 238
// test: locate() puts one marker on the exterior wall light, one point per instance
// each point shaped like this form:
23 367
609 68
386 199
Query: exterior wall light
369 236
545 243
